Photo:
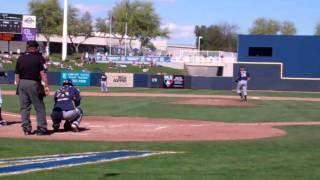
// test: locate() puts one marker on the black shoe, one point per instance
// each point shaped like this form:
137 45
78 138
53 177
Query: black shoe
67 126
56 127
3 122
41 132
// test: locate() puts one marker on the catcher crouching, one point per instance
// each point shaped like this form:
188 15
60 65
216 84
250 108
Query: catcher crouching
67 107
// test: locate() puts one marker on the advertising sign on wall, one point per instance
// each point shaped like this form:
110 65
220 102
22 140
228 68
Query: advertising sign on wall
78 78
173 81
156 81
119 79
29 21
29 34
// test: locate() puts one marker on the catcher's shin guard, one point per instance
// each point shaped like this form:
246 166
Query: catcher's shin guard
56 117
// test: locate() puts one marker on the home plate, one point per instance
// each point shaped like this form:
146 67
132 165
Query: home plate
255 98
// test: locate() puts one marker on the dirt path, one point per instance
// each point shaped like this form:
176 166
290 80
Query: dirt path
147 129
115 94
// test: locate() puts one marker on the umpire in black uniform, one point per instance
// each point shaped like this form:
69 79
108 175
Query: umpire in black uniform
32 87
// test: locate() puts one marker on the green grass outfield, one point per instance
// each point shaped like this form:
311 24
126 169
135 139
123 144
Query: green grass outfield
187 91
265 111
295 156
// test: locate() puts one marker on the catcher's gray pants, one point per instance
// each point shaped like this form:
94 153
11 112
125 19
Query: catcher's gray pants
73 116
242 87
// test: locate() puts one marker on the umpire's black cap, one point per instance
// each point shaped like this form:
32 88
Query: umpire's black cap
32 44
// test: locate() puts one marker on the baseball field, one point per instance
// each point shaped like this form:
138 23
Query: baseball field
214 136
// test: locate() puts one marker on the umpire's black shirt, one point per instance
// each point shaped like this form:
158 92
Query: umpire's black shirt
29 66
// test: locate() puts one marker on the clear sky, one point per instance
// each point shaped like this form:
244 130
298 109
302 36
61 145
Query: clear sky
180 16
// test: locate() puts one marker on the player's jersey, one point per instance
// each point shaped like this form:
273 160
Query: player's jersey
243 75
103 78
67 98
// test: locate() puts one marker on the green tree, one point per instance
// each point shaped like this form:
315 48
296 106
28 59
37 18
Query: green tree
262 26
288 28
101 25
142 20
79 27
49 17
73 23
218 37
317 30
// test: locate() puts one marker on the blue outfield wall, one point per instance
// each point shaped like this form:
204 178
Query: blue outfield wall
217 83
54 78
145 81
264 77
267 77
299 54
292 63
141 80
95 79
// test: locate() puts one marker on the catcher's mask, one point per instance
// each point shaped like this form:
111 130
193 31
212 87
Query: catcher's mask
67 82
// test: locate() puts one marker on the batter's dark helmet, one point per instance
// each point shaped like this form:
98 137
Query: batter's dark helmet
67 82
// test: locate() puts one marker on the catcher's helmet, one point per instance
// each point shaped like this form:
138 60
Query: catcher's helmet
67 82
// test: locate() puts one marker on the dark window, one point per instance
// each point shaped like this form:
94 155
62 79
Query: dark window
220 71
260 51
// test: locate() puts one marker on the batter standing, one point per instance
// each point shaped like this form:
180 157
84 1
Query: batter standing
242 84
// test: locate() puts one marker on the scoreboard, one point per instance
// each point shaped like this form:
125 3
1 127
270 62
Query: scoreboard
11 23
10 37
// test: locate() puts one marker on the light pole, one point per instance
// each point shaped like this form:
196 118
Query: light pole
110 32
199 39
125 35
65 30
